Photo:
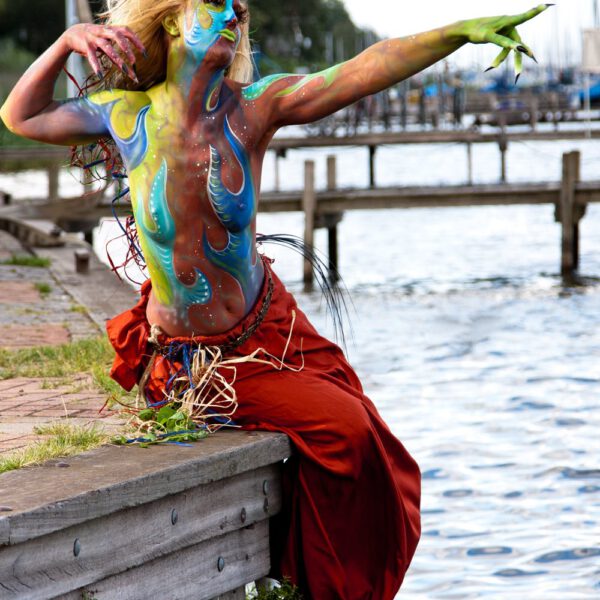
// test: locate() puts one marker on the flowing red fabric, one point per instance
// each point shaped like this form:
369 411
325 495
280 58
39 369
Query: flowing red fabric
351 522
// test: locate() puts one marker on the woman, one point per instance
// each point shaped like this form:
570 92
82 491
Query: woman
193 131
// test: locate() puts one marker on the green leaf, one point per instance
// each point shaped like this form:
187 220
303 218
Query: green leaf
165 413
146 415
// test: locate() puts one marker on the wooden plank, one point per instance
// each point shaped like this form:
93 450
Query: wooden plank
129 538
239 594
281 144
426 137
192 573
481 195
395 197
112 478
28 233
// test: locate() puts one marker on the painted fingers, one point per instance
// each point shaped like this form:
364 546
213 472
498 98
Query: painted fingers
118 44
512 42
509 40
515 20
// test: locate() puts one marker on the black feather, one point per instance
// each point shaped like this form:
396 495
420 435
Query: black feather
328 279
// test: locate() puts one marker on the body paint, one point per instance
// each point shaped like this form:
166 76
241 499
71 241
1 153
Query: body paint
157 226
236 211
256 90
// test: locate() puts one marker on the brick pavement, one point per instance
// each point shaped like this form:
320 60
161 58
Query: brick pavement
27 403
35 310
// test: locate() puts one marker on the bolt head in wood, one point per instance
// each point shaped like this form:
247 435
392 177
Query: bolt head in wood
265 487
243 515
174 517
220 564
76 547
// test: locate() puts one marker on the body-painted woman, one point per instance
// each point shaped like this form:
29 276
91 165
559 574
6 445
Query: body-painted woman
194 143
192 131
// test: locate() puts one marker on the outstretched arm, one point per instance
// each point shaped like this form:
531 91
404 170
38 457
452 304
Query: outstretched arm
293 99
31 111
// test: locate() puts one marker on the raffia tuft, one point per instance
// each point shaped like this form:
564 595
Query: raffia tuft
206 392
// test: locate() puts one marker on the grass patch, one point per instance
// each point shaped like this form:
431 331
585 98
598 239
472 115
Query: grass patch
43 288
78 308
27 260
92 356
64 439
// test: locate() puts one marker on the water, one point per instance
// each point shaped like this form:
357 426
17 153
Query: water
482 363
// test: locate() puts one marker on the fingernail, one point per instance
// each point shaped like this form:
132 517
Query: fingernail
99 74
145 53
125 69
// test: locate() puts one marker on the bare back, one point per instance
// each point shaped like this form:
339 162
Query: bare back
194 174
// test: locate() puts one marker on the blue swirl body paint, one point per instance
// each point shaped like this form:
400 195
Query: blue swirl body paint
161 238
134 148
236 211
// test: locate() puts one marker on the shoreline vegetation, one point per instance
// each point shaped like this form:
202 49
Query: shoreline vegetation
80 364
60 365
58 439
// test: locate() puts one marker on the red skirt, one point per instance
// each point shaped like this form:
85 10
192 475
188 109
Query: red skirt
351 521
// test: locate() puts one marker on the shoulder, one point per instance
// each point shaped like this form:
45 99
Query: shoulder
271 83
120 108
124 98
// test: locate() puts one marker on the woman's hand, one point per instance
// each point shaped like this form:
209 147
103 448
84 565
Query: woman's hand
501 31
117 43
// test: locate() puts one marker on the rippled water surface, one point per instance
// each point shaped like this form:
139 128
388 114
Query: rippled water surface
483 364
489 371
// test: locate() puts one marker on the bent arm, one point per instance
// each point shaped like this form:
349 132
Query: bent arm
295 99
31 111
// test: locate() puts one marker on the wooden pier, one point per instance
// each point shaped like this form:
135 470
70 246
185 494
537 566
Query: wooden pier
124 522
325 208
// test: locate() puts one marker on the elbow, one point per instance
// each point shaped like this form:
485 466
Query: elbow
6 119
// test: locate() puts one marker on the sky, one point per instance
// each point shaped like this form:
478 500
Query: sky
555 36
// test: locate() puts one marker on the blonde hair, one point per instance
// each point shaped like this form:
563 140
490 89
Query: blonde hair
144 18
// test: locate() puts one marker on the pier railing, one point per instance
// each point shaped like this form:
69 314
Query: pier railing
133 523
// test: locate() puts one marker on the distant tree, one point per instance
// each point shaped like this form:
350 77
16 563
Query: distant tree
307 34
311 33
33 24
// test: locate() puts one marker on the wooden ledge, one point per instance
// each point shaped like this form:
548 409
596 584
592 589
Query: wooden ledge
53 496
126 521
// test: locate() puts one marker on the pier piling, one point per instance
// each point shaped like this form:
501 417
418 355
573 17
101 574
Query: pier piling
503 145
372 152
569 214
53 183
309 206
331 222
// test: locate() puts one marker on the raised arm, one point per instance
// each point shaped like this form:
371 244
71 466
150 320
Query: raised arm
294 99
31 111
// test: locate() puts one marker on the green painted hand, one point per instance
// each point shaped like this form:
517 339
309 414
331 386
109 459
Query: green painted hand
501 31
